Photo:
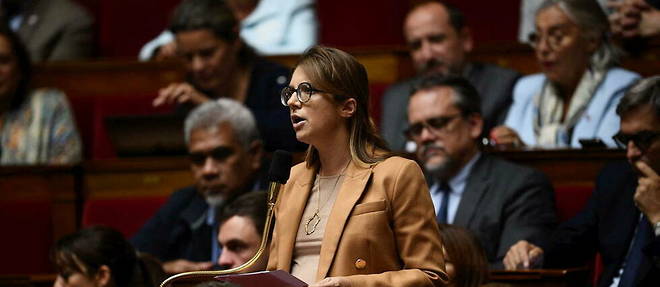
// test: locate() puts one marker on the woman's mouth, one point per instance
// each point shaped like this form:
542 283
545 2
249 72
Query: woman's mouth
297 122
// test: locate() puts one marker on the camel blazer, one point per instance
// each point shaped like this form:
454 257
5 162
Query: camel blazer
381 230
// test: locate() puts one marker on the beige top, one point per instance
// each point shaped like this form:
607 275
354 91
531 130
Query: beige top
307 249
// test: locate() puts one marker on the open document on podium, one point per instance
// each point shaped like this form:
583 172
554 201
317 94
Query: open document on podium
278 278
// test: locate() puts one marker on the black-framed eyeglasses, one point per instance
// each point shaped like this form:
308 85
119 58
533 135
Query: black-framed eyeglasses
642 140
434 125
304 92
219 154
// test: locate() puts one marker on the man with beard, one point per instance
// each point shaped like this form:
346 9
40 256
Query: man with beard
225 158
499 201
439 43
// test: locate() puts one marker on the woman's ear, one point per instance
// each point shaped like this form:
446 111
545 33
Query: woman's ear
348 108
103 276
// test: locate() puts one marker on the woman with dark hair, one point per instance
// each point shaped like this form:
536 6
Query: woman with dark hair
352 214
100 256
36 126
465 259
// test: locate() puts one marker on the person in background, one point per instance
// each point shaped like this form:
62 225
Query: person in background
381 231
225 159
99 256
271 27
621 220
240 229
465 259
36 126
220 65
499 201
528 10
440 43
576 95
52 30
635 18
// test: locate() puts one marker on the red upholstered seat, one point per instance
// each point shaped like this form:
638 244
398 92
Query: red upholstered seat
26 231
124 214
570 200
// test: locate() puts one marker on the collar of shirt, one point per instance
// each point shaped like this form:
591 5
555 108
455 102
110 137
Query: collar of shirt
457 183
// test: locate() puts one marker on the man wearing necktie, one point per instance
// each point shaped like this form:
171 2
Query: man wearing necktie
622 219
497 200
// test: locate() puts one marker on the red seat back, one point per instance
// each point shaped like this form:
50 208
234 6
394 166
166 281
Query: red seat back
26 238
124 214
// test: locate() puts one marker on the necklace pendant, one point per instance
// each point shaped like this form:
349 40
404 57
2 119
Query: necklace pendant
314 221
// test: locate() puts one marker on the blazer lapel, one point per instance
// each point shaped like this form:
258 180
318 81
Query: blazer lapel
292 208
475 188
351 190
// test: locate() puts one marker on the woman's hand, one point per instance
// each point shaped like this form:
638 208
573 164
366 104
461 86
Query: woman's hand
331 282
505 136
179 93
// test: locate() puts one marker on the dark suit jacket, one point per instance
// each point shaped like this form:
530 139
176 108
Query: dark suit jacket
606 225
494 84
503 203
57 30
178 230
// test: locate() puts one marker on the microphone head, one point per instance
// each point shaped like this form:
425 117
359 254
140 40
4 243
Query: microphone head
280 166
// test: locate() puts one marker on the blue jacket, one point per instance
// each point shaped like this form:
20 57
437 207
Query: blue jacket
599 120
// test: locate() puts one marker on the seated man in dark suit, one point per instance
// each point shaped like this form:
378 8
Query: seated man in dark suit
225 159
622 218
499 201
439 43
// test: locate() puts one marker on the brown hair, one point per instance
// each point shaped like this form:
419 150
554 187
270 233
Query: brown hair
341 75
466 254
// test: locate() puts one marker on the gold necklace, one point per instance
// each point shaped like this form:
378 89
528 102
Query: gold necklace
316 219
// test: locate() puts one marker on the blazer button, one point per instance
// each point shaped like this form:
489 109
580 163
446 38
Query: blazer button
360 264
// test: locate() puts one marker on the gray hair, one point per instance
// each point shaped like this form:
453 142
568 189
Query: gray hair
213 113
594 25
643 92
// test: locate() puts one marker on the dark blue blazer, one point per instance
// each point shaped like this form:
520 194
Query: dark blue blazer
606 225
178 230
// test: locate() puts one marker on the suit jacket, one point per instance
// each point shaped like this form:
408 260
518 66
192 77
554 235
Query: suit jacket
599 119
383 215
503 203
494 84
178 230
606 225
57 30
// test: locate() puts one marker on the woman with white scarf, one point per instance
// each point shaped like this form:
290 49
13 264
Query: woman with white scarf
576 95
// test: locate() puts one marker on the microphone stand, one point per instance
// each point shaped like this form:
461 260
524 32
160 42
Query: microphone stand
273 191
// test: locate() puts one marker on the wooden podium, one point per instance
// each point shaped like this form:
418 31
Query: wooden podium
573 277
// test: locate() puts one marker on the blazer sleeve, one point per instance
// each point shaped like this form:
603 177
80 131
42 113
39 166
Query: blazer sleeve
416 235
530 214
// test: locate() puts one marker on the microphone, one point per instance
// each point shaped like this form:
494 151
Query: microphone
278 174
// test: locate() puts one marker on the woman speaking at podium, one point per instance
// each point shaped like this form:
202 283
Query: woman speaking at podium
351 214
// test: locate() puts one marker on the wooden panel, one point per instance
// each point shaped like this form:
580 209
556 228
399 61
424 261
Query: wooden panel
576 277
574 167
89 78
139 177
38 207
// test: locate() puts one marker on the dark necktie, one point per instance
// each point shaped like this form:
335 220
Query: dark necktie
444 188
635 256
